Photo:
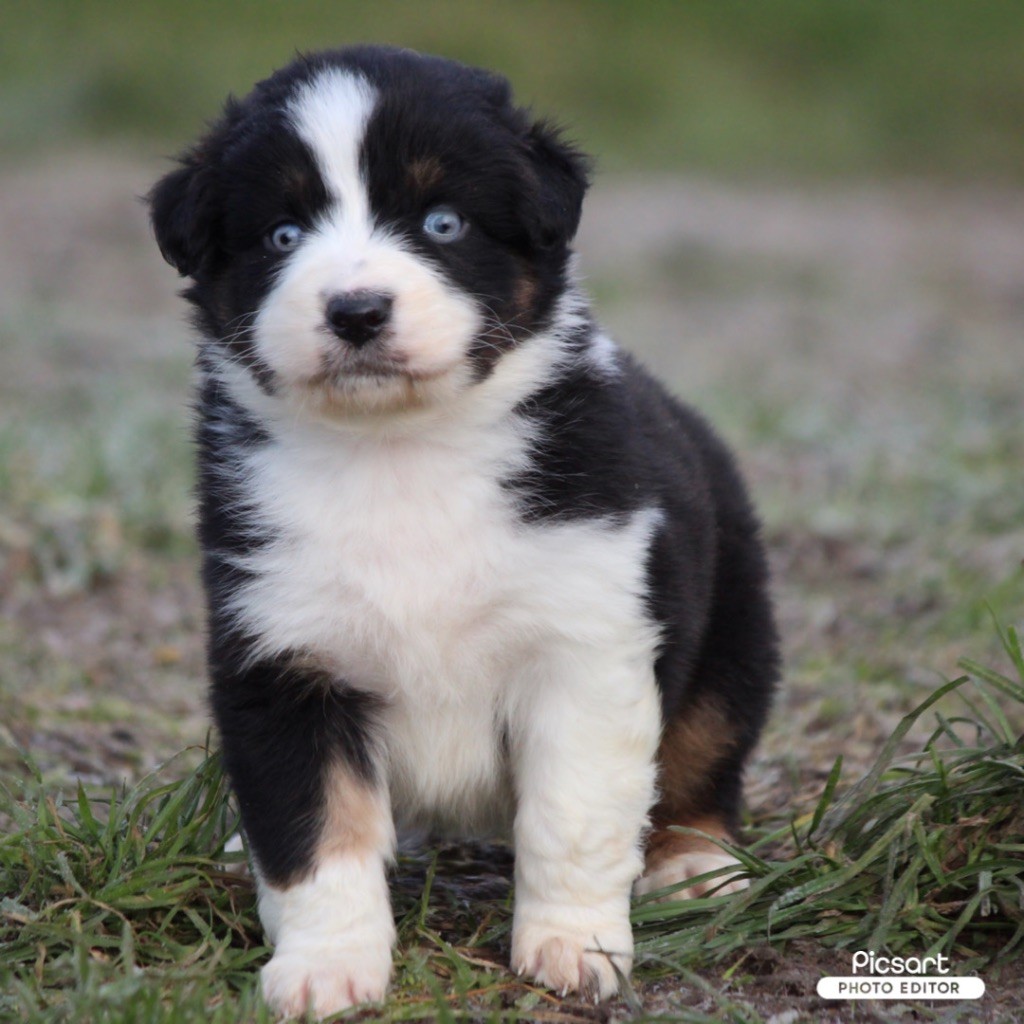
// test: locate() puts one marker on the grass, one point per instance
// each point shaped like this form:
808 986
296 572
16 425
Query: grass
123 905
923 855
794 86
117 903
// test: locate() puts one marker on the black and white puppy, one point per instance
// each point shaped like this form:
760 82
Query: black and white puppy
468 566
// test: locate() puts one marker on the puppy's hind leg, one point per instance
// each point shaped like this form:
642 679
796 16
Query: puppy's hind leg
719 710
699 783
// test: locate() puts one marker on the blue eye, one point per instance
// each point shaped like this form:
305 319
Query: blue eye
444 225
284 238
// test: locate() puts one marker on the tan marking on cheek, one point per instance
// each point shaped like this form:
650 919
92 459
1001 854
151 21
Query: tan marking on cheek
520 319
424 173
525 295
355 817
692 744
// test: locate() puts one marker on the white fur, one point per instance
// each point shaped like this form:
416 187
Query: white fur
589 727
330 113
333 935
604 355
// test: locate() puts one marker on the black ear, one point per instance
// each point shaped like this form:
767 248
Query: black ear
182 211
562 174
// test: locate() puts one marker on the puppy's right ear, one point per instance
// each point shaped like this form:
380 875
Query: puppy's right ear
560 176
182 210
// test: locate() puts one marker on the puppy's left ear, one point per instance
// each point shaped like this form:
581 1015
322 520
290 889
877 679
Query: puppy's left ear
561 175
182 211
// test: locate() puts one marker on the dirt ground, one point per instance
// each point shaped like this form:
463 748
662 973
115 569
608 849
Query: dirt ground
862 346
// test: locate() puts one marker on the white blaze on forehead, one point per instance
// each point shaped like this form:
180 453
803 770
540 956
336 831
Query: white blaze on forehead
330 114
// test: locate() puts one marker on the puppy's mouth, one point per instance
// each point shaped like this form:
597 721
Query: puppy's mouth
346 370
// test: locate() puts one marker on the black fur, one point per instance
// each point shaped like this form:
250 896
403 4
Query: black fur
282 728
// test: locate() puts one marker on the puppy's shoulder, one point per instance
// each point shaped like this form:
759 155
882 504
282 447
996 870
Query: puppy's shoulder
608 439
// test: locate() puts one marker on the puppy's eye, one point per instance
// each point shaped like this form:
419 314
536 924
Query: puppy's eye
442 224
284 238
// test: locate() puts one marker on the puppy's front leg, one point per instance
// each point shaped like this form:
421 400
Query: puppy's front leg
584 756
301 757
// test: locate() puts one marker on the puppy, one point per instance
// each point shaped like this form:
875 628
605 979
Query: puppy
468 567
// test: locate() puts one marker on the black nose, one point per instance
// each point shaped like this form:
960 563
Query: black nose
358 317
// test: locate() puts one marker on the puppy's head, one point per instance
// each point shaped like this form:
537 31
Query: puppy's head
371 229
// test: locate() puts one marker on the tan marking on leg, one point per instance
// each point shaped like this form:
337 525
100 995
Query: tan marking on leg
692 744
333 929
356 817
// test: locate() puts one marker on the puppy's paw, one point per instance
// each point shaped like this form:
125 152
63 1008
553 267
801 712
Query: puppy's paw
326 978
574 957
683 866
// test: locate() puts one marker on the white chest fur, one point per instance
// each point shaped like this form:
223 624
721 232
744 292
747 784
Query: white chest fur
399 565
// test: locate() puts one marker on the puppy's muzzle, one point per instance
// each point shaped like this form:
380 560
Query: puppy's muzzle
359 317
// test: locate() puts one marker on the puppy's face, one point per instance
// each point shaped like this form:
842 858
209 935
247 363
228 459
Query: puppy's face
371 230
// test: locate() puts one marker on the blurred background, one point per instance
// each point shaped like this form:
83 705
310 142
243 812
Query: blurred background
808 217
